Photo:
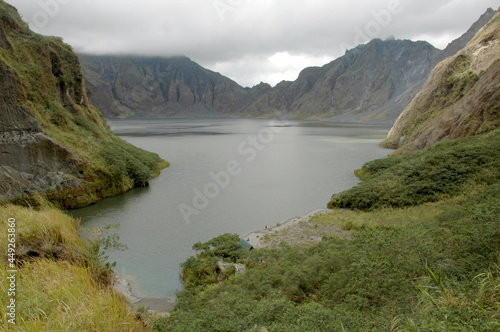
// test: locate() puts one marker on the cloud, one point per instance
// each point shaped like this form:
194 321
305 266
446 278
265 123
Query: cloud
248 40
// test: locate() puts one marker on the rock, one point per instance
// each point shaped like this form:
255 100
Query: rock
53 142
223 266
123 287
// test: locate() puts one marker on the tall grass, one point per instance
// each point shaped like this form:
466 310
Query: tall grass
45 233
59 281
60 296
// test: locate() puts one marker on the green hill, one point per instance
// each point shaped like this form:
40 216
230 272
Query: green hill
53 141
55 147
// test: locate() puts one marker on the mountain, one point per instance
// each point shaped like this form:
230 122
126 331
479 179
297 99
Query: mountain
53 142
160 87
461 97
370 83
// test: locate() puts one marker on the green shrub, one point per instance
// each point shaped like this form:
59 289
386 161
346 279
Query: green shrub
446 168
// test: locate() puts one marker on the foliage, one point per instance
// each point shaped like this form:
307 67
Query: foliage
103 240
60 296
446 168
224 246
57 287
202 269
47 233
352 283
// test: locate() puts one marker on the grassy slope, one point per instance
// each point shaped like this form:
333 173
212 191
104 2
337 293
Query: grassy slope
52 81
61 283
57 286
444 169
460 98
426 266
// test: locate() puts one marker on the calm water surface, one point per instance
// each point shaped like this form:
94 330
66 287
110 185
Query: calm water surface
226 176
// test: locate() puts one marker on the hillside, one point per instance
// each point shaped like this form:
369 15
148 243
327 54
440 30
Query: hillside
52 140
370 83
461 97
57 151
462 41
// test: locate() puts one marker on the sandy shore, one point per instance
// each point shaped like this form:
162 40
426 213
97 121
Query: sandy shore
256 238
155 304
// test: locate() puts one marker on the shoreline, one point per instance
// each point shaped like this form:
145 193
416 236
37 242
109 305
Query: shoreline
159 305
255 238
162 305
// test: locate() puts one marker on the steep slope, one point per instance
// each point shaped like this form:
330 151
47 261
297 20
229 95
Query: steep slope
371 82
161 87
52 140
460 43
461 97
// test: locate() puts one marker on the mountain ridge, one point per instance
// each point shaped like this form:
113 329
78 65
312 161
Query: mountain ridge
373 82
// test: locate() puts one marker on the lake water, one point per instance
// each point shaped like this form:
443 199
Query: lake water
226 176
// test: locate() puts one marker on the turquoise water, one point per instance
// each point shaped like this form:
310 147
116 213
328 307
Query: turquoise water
226 176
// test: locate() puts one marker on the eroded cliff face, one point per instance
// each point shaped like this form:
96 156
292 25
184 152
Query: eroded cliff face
462 41
52 140
30 160
461 97
372 83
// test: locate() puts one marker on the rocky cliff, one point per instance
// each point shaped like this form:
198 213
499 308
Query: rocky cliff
53 142
459 43
460 98
371 83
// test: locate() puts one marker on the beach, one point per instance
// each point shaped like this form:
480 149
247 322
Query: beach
290 231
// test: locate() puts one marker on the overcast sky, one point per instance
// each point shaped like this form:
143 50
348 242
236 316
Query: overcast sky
247 40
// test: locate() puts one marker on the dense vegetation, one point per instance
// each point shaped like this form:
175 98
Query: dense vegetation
442 170
418 264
